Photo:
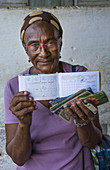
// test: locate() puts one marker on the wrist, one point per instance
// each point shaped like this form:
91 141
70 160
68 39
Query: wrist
24 125
80 124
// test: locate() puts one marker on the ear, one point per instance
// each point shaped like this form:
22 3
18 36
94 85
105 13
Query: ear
60 43
24 45
26 49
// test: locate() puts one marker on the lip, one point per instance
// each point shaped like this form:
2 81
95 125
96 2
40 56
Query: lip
45 62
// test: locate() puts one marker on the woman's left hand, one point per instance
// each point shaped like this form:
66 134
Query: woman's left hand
81 113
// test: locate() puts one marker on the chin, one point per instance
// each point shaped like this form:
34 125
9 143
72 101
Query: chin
46 67
45 70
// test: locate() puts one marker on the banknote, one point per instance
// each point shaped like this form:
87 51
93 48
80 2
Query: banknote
68 99
95 99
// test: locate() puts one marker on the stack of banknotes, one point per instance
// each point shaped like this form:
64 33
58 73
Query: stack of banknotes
59 105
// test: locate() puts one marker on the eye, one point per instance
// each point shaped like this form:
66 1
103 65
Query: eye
34 45
51 43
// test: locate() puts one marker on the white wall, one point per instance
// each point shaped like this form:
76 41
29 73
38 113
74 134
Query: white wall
86 41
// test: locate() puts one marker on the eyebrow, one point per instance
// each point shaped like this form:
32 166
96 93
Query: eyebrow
32 41
36 41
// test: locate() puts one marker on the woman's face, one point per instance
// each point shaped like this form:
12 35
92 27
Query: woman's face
43 47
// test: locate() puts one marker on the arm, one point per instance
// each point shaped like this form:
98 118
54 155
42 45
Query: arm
90 134
18 141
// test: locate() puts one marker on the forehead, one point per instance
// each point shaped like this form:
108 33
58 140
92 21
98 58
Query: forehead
40 30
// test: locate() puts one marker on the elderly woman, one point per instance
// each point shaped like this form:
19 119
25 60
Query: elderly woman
36 139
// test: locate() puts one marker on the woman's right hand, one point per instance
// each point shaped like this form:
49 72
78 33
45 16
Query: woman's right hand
22 105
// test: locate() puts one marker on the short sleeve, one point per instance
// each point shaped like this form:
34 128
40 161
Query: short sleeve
73 68
9 91
80 68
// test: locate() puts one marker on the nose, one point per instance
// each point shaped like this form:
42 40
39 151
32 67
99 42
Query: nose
43 51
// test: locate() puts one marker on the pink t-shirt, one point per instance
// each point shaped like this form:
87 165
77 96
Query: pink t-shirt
55 143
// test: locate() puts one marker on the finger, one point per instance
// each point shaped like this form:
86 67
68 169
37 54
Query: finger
89 114
22 105
91 100
79 111
20 98
24 111
91 106
72 113
22 93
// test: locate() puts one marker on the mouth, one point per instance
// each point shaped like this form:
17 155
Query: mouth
45 61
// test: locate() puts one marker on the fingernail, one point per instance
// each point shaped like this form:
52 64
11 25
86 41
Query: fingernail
25 92
34 102
78 102
30 98
36 107
67 109
22 117
84 118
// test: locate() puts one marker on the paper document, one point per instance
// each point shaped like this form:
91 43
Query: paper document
70 83
40 87
51 86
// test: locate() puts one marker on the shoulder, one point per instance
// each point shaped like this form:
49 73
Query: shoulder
11 86
14 79
73 68
80 68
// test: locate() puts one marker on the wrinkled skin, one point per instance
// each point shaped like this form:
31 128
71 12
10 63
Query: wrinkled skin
18 141
45 61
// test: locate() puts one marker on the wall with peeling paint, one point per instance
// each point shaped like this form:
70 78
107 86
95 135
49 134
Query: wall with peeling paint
86 41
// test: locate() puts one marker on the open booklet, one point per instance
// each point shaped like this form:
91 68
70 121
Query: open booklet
51 86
